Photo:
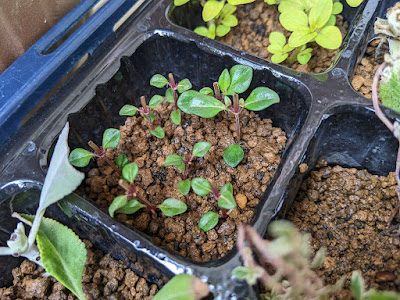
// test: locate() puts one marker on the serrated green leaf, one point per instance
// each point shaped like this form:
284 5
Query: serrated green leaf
201 30
390 91
155 101
111 138
184 186
121 161
172 207
184 85
169 95
130 171
357 285
241 77
208 221
193 102
329 37
80 157
62 178
293 19
117 203
354 3
230 21
207 91
176 116
201 186
130 207
222 30
301 36
181 287
337 8
211 9
180 2
261 98
226 200
158 81
319 14
278 58
128 110
62 253
224 80
277 39
233 155
227 10
201 148
158 132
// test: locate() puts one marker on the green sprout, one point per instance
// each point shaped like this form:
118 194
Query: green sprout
233 155
80 157
128 204
230 83
359 292
130 110
182 162
172 93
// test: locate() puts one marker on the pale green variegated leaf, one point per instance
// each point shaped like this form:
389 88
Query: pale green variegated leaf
62 178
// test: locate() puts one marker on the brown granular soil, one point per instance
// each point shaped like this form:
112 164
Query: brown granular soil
365 71
257 20
103 278
262 144
346 211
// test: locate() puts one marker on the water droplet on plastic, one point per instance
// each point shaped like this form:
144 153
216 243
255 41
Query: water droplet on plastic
30 148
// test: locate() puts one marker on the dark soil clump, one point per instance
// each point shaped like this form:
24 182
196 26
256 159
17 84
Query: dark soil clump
262 144
103 278
346 211
257 20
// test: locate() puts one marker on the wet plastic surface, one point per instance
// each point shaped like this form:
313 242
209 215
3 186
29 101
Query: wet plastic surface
321 114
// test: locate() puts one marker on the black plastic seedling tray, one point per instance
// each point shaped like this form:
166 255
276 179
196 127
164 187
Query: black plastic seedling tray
322 115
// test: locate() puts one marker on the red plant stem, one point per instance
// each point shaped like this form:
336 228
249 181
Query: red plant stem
94 147
214 190
224 213
217 92
100 153
187 161
174 87
145 110
111 164
391 127
236 109
130 191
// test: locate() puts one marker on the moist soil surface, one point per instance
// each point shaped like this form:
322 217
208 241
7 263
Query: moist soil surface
365 71
258 19
262 145
103 278
347 210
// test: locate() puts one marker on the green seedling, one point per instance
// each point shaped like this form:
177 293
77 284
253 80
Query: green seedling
230 83
208 221
218 16
360 293
233 155
130 110
80 157
121 160
50 244
182 162
128 204
226 201
172 92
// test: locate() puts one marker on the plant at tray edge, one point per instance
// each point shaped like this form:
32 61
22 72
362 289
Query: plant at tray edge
289 254
57 248
208 103
131 202
171 94
359 293
130 110
182 162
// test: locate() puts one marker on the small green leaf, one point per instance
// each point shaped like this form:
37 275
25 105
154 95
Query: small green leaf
169 95
247 273
207 91
289 5
128 110
211 9
193 102
304 56
173 160
158 132
233 155
130 171
226 200
318 258
121 161
238 2
111 138
201 30
329 37
208 221
337 8
176 116
152 117
184 85
117 203
277 38
224 80
227 188
201 148
211 31
227 101
158 81
357 285
201 186
130 207
278 58
227 10
301 36
155 100
184 186
180 2
230 21
183 287
261 98
172 207
332 20
80 157
320 13
354 3
222 30
293 19
241 77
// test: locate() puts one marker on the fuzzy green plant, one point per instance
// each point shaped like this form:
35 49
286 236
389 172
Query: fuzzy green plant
131 201
50 244
360 293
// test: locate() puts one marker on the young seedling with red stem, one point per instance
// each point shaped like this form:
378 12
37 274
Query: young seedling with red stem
80 157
